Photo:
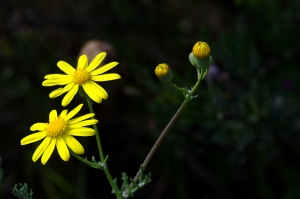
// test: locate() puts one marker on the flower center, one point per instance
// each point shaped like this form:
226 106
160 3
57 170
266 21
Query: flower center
56 127
81 76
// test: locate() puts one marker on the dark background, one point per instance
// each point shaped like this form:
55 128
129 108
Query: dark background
239 139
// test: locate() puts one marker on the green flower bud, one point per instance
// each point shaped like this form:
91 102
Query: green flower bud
192 59
164 73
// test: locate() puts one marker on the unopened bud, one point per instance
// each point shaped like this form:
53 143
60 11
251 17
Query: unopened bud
164 73
201 50
200 55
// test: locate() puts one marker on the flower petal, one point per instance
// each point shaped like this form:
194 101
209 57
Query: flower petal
62 148
105 77
83 131
38 127
57 92
79 119
67 68
96 61
82 62
73 112
104 68
41 148
70 95
94 91
54 82
33 137
56 76
61 91
83 123
63 114
73 144
52 115
49 150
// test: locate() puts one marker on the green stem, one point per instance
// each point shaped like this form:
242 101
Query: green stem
112 183
178 88
105 169
188 97
92 164
96 129
200 73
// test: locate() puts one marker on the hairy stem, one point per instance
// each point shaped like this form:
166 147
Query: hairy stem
188 97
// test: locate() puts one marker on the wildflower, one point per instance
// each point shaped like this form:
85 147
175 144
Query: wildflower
85 75
164 73
59 132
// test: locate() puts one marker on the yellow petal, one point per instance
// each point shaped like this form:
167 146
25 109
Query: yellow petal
104 68
73 112
54 82
83 131
105 77
33 138
67 68
79 119
49 150
83 123
38 127
62 148
56 76
61 91
63 114
41 148
82 62
69 96
73 144
57 92
94 91
52 115
96 61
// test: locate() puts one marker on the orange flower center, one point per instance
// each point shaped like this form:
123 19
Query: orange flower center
81 76
56 127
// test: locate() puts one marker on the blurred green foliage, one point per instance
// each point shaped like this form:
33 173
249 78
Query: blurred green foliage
240 137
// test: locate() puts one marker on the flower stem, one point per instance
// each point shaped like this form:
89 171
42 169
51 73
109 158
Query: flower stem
96 129
105 169
112 183
161 137
188 97
92 164
178 88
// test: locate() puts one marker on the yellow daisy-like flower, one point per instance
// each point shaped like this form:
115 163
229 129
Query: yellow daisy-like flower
85 75
59 132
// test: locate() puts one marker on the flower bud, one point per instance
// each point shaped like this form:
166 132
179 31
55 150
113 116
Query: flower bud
200 56
201 50
192 59
164 73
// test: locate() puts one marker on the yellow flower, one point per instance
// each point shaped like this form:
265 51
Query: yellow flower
85 75
59 132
